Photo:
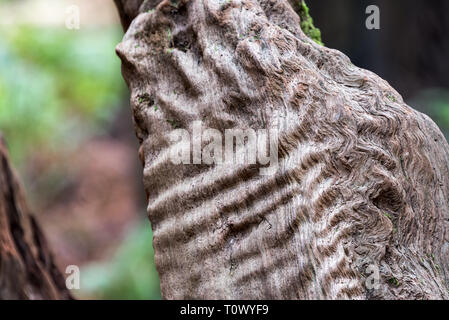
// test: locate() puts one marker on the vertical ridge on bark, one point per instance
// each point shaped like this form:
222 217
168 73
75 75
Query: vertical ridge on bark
27 268
363 178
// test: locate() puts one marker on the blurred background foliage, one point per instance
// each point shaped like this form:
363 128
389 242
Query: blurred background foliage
65 116
62 99
53 88
126 274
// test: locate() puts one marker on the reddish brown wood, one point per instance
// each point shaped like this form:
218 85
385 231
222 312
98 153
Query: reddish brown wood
27 268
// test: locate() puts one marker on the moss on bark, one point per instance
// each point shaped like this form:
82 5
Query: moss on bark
307 25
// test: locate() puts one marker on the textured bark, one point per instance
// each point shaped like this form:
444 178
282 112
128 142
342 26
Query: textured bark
27 269
363 178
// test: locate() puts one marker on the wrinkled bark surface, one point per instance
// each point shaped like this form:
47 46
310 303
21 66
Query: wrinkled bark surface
27 269
363 178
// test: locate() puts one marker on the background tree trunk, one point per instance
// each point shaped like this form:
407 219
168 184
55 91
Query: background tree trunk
362 181
27 269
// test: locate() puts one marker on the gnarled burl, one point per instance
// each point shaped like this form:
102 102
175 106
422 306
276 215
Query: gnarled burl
27 267
363 179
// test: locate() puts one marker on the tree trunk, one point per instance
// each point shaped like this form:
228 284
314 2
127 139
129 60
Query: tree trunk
362 183
27 269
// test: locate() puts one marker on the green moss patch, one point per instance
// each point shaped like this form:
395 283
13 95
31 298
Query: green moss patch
307 25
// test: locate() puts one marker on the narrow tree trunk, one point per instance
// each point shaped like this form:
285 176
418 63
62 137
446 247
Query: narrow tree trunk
27 269
363 179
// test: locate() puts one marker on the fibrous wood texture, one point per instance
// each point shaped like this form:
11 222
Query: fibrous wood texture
27 268
362 180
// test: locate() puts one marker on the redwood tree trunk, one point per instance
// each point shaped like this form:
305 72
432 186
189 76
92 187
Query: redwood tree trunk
27 269
363 179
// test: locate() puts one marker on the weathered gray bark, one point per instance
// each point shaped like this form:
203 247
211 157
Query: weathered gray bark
27 269
363 179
